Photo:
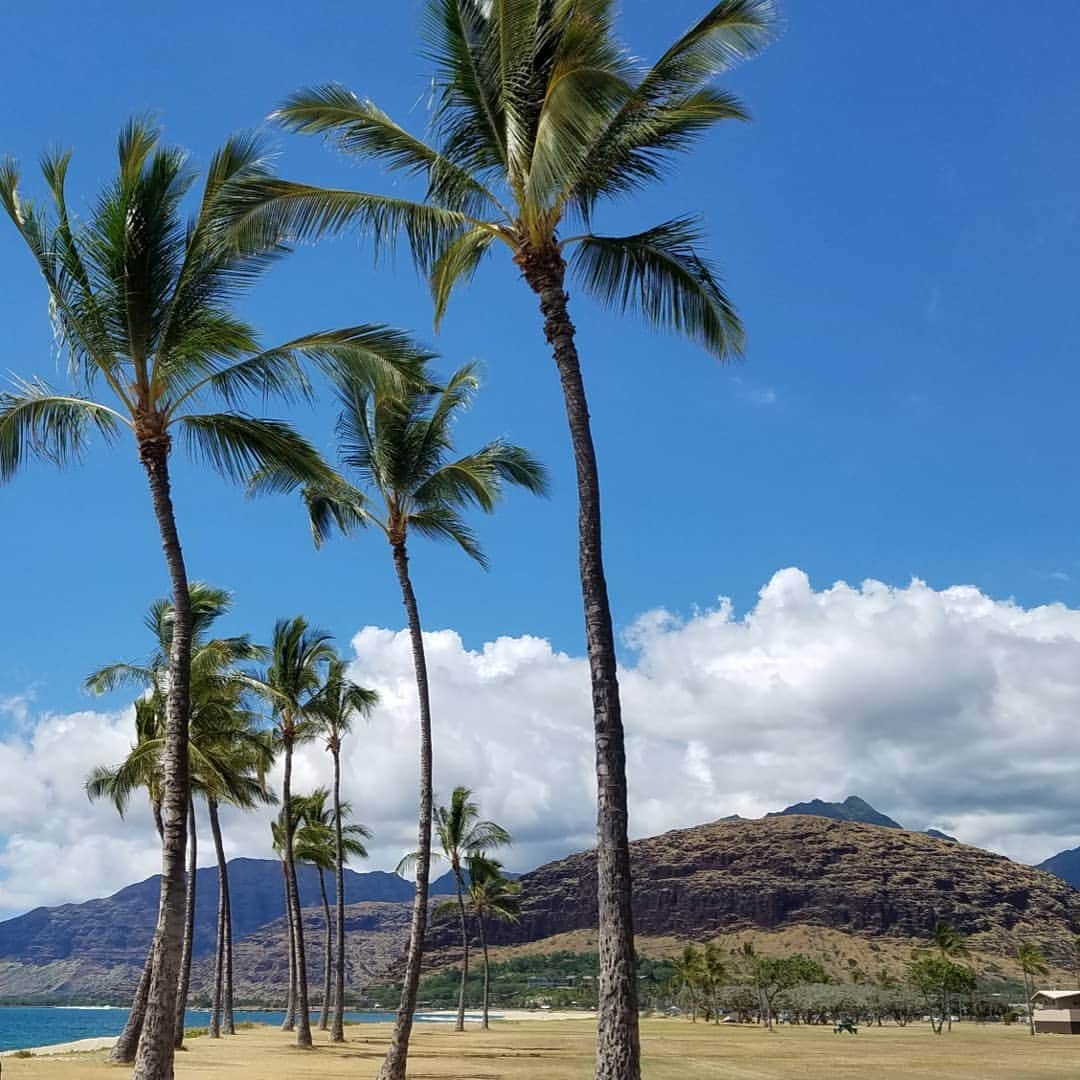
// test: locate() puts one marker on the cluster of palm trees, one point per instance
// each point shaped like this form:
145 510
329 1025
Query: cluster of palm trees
307 693
541 117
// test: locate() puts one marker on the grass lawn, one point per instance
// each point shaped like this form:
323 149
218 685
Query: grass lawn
562 1050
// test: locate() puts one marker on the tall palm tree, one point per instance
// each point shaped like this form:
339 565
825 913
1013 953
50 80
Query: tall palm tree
399 445
1032 963
462 835
277 835
540 117
215 691
491 896
140 769
298 655
317 839
140 301
338 702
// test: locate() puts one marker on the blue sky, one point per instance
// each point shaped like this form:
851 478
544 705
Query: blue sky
899 228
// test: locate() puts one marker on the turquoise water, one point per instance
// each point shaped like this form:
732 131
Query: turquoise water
21 1027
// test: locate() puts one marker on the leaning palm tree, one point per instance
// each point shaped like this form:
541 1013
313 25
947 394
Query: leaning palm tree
462 835
298 655
491 896
338 702
316 843
140 298
541 116
399 446
140 769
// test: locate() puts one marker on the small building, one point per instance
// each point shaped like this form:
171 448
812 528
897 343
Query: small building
1057 1011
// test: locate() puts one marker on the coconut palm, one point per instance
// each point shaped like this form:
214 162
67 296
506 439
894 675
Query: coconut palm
1032 963
399 445
298 655
317 842
491 896
462 835
338 702
951 945
215 691
541 116
235 758
140 769
140 297
277 836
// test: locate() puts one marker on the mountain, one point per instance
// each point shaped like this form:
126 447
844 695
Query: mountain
118 928
851 809
1065 865
846 885
791 870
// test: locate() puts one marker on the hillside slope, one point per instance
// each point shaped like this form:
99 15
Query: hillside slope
789 870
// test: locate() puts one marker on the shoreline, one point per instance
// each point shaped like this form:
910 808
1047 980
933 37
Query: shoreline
433 1017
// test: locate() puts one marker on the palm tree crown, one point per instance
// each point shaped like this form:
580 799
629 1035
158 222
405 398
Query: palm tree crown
398 445
541 114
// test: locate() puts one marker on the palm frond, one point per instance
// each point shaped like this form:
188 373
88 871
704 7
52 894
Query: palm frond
456 263
438 523
661 275
36 420
306 213
360 127
240 447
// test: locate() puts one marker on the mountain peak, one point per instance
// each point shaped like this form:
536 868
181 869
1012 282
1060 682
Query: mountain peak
852 808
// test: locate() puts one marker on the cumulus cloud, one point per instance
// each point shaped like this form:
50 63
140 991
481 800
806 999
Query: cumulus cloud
943 708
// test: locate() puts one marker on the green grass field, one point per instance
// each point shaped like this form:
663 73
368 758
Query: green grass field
562 1050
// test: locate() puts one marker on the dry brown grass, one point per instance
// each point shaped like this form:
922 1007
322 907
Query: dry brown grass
562 1050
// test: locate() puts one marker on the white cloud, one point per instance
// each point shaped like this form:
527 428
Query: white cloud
943 708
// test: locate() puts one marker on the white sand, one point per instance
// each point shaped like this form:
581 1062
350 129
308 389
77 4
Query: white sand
79 1046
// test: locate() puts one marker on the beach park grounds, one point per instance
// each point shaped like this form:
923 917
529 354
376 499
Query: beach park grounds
674 1049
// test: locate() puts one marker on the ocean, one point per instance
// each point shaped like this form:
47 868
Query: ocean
41 1026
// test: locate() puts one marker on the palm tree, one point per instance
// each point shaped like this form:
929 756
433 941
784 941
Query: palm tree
277 835
338 702
1032 963
317 840
231 757
215 692
491 896
689 975
298 655
399 446
462 834
714 970
541 115
951 945
140 769
139 298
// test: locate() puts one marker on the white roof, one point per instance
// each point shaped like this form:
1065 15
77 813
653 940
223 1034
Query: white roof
1057 995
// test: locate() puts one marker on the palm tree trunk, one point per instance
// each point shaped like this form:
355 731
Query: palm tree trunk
328 955
337 1028
303 1013
123 1050
618 1054
393 1067
227 1022
289 1023
154 1058
460 1026
223 903
487 968
189 931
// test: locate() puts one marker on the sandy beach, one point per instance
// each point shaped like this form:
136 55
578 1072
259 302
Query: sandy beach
80 1046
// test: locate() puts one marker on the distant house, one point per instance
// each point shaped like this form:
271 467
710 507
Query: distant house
1057 1011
